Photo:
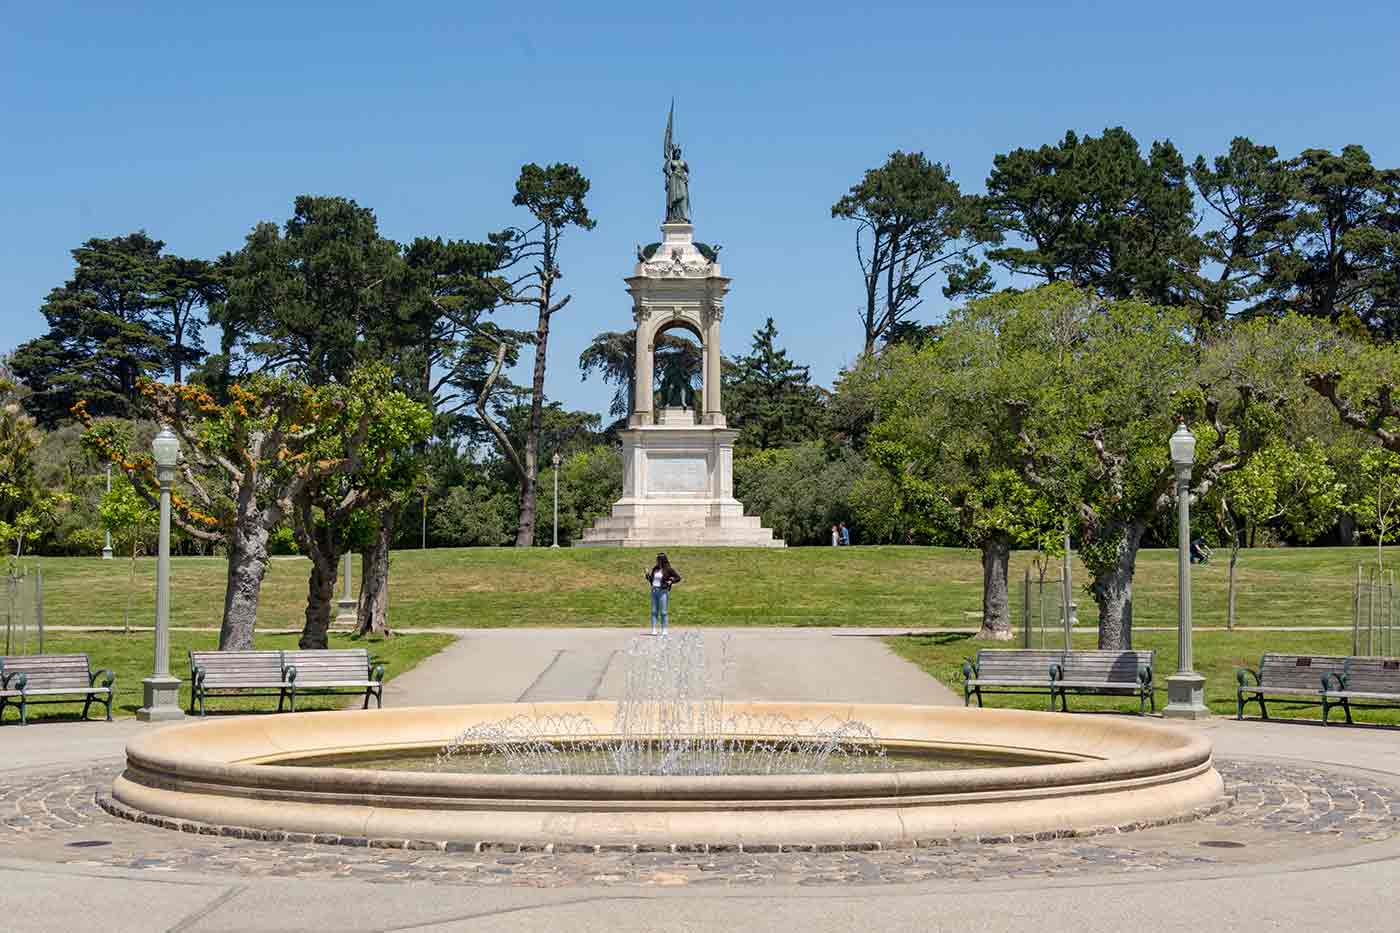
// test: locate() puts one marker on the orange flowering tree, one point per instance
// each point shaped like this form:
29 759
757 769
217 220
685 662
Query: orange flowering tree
276 449
237 471
361 456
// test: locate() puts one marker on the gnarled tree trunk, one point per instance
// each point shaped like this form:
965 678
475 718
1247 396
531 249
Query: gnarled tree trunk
320 601
1113 589
996 600
372 615
247 564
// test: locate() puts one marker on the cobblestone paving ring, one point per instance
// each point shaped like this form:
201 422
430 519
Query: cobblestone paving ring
1280 811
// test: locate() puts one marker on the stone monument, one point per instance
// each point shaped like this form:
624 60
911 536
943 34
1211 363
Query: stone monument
678 462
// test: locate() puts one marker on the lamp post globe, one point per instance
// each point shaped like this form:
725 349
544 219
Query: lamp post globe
161 691
1185 688
1183 448
555 460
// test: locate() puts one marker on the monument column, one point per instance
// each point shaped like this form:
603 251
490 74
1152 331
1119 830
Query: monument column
714 410
644 373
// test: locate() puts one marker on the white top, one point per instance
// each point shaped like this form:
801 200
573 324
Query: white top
658 577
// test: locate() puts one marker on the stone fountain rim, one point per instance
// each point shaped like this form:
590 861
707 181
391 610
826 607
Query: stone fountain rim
1117 751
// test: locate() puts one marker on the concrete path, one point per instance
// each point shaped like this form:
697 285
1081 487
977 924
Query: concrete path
539 665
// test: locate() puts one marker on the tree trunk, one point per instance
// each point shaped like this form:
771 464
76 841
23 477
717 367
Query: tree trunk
247 564
1113 590
372 615
996 600
529 488
1346 529
320 601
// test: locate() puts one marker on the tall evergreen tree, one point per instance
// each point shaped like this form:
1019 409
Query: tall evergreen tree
105 332
1093 212
300 297
912 224
1250 193
769 398
554 196
183 291
1342 266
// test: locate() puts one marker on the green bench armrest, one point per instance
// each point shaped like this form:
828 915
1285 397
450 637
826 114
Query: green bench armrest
1243 675
107 678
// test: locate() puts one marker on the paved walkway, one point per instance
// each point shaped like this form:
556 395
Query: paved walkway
523 665
1314 841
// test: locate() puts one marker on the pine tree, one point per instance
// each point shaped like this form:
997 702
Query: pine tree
769 398
105 332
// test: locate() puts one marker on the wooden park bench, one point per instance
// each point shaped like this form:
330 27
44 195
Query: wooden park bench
1298 677
249 673
331 670
1011 670
54 678
1107 673
1374 681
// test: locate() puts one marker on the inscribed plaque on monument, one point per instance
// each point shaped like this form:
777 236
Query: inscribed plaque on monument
677 474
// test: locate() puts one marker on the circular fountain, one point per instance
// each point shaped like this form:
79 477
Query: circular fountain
669 765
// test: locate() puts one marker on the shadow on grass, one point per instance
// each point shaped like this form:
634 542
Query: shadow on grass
937 639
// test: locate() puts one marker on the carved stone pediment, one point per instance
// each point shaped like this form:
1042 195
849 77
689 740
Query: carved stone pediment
676 267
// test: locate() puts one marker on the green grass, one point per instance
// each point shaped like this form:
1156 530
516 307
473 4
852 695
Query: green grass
1217 655
882 586
130 656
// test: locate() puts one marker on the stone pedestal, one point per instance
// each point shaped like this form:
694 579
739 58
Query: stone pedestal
678 489
160 696
1186 697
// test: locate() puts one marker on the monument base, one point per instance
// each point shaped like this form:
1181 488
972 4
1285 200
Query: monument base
678 490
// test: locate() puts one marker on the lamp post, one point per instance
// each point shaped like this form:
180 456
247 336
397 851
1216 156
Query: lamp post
162 691
345 617
107 533
555 461
1185 689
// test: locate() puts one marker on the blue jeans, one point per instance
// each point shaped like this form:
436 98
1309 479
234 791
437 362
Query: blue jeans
660 600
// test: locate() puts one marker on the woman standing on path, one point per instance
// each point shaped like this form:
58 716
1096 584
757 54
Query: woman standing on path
661 576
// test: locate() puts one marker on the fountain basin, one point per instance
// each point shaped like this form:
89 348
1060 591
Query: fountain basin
1106 772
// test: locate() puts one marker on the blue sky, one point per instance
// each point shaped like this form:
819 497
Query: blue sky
195 121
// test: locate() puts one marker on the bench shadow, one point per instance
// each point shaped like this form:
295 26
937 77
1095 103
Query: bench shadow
1318 724
937 639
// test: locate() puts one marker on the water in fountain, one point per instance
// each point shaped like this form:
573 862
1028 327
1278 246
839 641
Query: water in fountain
672 720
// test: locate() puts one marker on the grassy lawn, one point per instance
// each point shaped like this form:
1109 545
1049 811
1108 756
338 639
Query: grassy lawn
1217 655
129 657
912 587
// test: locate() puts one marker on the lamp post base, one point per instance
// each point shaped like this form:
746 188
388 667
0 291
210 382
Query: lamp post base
162 700
1186 696
346 616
